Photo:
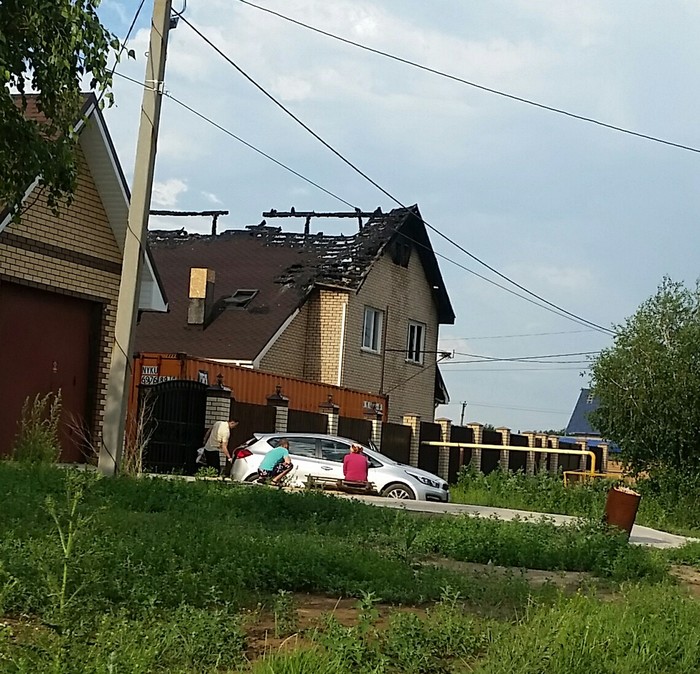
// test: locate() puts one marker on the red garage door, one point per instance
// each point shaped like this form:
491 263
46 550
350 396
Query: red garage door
47 343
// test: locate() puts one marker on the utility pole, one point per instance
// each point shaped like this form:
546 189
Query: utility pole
461 417
134 241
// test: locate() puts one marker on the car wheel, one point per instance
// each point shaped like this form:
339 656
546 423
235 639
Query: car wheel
398 490
251 478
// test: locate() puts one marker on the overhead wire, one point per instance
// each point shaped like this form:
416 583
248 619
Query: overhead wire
335 196
360 172
461 80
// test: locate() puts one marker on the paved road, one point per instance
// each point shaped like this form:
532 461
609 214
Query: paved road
640 535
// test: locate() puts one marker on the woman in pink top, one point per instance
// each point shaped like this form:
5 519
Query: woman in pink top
355 465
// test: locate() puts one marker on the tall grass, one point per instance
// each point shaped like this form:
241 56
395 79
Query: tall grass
668 502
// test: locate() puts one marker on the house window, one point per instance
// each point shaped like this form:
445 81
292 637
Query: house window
372 329
415 344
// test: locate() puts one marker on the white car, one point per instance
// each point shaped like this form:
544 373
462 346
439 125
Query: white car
322 455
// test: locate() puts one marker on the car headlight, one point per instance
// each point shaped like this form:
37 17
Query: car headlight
426 481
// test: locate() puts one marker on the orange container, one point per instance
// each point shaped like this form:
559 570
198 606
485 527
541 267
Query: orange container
621 508
250 386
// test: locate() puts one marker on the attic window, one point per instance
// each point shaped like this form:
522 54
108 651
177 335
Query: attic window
590 398
401 251
240 299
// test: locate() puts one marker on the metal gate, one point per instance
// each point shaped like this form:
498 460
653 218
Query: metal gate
175 425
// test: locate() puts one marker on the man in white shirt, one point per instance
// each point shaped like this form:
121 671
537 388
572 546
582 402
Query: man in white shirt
216 445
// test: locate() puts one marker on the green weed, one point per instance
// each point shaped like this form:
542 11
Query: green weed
37 440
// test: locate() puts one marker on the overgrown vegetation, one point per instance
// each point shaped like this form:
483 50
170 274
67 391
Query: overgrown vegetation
667 502
126 575
37 439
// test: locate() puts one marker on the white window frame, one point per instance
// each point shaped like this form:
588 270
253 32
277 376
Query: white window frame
372 326
415 342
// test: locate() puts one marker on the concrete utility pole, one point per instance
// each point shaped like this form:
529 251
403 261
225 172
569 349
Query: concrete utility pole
461 416
134 241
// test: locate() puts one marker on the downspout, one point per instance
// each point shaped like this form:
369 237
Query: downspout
341 350
384 331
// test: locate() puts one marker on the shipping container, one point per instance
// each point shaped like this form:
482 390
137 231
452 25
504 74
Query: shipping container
250 386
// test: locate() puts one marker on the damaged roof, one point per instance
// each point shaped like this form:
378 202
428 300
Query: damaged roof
284 267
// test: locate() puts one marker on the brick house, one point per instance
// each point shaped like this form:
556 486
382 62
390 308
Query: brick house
59 282
360 311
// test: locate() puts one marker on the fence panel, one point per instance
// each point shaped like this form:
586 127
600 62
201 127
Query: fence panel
396 442
428 456
569 461
300 421
251 419
459 456
359 430
517 460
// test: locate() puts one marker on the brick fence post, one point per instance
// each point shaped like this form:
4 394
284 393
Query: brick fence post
444 452
413 420
281 405
478 432
530 462
554 460
505 453
583 461
374 416
331 410
605 449
542 459
218 408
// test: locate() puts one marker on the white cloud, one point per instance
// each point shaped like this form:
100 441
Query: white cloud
212 198
166 193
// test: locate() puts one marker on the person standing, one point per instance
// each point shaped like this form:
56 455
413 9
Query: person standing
355 465
216 445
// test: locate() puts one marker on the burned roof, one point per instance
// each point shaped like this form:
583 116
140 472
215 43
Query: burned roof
284 267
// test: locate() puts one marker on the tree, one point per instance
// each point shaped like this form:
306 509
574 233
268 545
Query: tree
648 384
47 47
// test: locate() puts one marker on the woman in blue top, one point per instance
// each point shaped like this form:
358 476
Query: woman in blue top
276 464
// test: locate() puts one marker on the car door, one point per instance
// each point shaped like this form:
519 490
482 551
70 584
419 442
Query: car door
303 451
332 454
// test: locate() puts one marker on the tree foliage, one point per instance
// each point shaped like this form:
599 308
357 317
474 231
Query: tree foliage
48 47
648 383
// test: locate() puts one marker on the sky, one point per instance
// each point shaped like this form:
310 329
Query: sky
588 218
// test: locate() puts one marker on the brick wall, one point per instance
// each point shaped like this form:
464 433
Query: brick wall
287 356
74 253
404 294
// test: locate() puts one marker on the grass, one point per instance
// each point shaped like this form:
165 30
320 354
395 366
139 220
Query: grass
668 504
147 575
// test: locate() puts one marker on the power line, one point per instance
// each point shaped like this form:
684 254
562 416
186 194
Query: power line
305 126
528 358
481 87
335 196
525 334
513 369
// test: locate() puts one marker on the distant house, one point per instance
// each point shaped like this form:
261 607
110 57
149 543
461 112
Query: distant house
579 424
361 311
59 282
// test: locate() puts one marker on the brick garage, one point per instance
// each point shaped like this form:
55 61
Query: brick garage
59 283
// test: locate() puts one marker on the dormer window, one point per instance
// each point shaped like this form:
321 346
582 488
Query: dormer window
401 251
240 299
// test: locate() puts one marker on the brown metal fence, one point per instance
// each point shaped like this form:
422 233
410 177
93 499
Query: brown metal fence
428 455
251 419
459 456
300 421
359 430
517 460
396 442
490 458
569 461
